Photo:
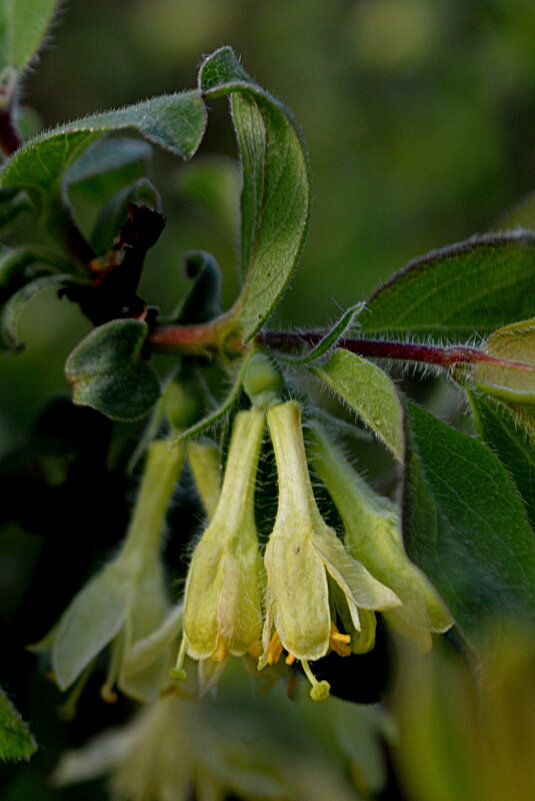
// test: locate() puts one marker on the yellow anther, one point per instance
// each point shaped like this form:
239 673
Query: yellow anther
340 643
290 659
108 695
275 649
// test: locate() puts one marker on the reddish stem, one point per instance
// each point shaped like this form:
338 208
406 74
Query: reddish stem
203 339
380 349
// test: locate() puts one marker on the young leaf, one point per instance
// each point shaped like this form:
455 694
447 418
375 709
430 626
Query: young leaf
514 343
10 312
107 373
16 741
330 339
275 201
475 286
514 444
175 122
369 392
20 265
465 524
23 25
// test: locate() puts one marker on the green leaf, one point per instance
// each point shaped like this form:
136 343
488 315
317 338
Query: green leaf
23 25
513 343
175 122
275 201
106 371
16 741
12 203
473 287
11 311
465 524
369 392
501 429
203 301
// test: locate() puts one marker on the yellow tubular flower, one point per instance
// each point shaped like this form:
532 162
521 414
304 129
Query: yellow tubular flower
302 556
373 536
223 596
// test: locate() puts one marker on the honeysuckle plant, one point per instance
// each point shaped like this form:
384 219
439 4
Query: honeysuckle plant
294 552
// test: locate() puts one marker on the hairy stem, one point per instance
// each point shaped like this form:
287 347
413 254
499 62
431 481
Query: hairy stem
446 357
196 339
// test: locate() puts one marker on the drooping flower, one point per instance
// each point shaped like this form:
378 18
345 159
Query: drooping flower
224 586
127 600
373 536
310 574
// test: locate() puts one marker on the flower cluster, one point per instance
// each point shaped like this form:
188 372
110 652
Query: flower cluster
312 593
309 593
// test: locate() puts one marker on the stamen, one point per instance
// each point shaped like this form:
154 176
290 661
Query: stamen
178 671
107 693
320 689
275 649
290 659
340 643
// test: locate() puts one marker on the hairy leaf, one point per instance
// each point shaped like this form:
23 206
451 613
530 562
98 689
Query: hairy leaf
23 25
338 330
465 524
369 392
275 201
16 741
175 122
106 371
473 287
514 444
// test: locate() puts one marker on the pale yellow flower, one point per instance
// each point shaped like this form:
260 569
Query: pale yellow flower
224 586
309 571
